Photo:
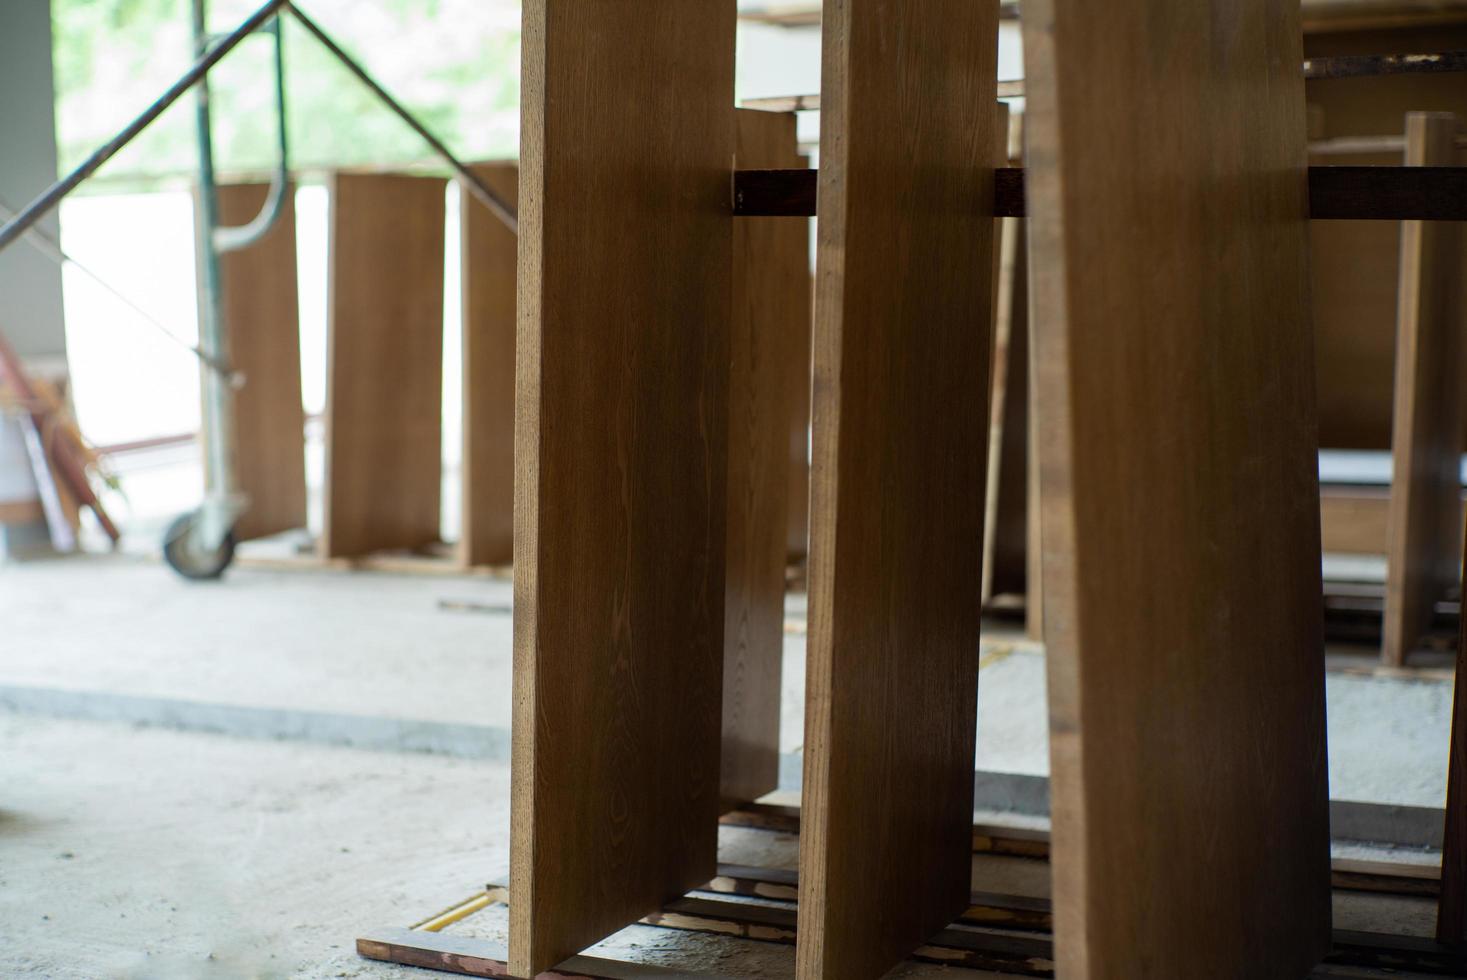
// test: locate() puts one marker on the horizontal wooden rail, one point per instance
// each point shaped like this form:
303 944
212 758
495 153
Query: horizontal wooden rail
1372 193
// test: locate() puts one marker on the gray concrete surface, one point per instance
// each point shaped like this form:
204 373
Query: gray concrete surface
135 850
423 662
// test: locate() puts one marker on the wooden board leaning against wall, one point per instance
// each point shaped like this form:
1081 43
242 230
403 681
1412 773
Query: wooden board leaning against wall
261 315
384 364
1181 546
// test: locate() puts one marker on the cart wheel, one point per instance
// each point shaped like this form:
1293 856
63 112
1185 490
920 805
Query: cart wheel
183 554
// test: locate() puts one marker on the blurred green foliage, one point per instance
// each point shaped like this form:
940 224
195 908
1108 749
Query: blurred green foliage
454 63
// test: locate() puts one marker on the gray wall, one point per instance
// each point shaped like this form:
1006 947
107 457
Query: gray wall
30 283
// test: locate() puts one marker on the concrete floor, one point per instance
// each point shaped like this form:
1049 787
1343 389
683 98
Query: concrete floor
143 851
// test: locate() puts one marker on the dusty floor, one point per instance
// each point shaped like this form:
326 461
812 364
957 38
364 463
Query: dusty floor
130 851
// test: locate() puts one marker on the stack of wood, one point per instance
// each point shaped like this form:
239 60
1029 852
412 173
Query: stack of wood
58 456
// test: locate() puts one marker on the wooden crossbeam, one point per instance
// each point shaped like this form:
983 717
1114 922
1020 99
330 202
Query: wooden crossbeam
1335 193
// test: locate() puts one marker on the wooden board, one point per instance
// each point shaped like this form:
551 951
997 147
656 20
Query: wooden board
902 347
1005 547
384 364
490 255
770 359
626 256
1451 922
1425 551
1354 274
1175 382
262 323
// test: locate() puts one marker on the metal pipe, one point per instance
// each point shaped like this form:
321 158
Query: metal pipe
243 236
47 202
218 397
474 184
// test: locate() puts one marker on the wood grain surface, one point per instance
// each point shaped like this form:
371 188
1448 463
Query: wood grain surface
262 321
1425 545
1175 382
621 428
770 363
902 348
384 364
1451 921
490 257
1006 545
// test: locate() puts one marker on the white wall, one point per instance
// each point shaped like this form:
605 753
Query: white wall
30 283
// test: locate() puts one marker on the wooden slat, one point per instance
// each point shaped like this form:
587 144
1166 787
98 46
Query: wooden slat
1006 545
626 255
1178 451
770 364
1451 921
490 255
1338 193
262 320
1424 550
902 348
384 385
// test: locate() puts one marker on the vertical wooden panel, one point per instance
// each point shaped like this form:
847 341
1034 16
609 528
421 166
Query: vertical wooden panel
1005 546
1426 446
902 347
1181 526
384 371
769 354
490 254
261 315
1451 921
626 254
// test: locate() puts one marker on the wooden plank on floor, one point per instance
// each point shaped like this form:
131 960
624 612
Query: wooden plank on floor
384 364
1168 215
769 357
902 349
1424 548
626 258
490 257
262 318
1451 921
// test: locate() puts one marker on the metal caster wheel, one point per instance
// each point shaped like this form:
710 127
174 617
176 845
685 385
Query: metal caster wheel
190 557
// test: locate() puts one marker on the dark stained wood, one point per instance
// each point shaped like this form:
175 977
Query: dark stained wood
262 320
1006 545
1424 556
1354 273
1181 537
490 255
902 351
384 364
1335 193
769 366
626 257
1451 922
